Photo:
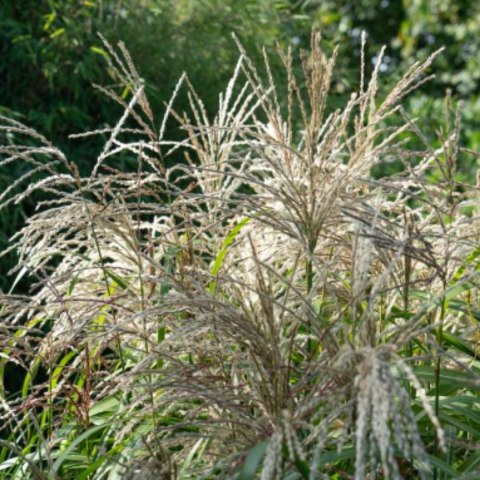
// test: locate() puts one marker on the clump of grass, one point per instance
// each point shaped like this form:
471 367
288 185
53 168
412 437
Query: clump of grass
264 308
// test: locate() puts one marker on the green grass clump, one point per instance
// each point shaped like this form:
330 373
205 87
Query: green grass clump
267 308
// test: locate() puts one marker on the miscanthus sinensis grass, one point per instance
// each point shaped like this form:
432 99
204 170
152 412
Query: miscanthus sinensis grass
264 308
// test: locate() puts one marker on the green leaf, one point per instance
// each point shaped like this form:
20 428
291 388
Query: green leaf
470 259
84 436
252 461
333 457
106 405
461 426
61 365
442 466
196 450
116 279
457 289
464 308
464 407
454 341
470 464
217 264
450 380
85 475
72 283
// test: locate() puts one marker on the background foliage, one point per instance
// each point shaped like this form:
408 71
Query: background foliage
51 54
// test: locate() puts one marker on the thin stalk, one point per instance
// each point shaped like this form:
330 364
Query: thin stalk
309 275
50 403
439 331
138 239
86 399
406 306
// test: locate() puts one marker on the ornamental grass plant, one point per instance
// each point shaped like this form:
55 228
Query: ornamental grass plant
251 301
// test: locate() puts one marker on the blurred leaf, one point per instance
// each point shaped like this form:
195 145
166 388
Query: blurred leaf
252 461
50 18
100 51
57 33
450 380
458 343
